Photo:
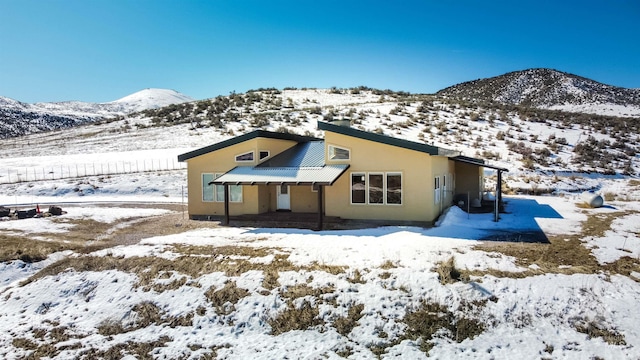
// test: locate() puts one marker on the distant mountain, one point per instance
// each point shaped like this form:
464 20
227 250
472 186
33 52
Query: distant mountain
18 118
550 89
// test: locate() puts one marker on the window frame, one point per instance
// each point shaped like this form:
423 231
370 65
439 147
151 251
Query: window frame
260 158
364 176
382 189
205 185
436 190
253 157
386 188
331 155
221 188
367 187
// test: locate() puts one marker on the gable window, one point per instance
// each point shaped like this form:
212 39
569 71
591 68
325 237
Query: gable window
436 187
246 157
338 153
263 154
394 188
358 188
376 189
207 190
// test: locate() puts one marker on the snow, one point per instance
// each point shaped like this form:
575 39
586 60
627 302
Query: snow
528 317
151 99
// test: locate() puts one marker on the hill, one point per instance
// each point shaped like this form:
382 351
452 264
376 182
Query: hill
18 118
550 89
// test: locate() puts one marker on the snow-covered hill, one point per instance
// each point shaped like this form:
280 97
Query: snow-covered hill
18 118
550 89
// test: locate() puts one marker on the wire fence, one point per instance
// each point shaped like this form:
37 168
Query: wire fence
68 171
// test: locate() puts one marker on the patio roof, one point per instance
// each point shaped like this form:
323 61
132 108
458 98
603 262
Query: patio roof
477 162
302 164
247 175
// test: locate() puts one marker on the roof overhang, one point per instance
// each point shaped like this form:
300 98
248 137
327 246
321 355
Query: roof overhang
477 162
246 175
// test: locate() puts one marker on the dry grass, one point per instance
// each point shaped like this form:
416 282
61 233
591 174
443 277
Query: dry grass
140 350
28 250
593 329
292 318
147 314
82 237
345 324
565 254
225 299
431 319
448 273
302 290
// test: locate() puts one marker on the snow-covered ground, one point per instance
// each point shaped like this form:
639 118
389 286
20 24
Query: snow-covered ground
389 271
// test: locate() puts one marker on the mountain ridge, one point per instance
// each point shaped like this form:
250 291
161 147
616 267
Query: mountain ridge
548 89
18 118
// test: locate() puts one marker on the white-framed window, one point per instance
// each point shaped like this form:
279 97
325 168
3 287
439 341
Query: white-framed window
376 188
445 183
235 192
263 154
245 157
207 190
394 188
338 153
436 189
358 188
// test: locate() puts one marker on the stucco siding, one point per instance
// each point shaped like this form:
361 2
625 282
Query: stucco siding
468 179
368 157
254 198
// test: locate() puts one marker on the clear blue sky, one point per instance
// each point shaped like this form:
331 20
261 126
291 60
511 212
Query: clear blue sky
98 51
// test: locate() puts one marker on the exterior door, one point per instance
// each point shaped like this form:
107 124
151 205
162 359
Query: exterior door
284 197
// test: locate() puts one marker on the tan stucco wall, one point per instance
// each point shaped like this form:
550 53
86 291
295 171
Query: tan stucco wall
302 199
368 156
468 179
255 199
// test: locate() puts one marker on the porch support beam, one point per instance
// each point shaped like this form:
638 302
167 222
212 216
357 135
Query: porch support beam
320 207
226 204
498 197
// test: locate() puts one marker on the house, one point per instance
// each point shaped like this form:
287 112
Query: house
351 174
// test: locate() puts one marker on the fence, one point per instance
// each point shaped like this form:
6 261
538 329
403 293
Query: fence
67 171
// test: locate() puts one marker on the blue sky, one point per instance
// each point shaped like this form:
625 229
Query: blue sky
98 51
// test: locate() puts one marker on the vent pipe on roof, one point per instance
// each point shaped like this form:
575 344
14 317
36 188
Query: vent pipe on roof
346 122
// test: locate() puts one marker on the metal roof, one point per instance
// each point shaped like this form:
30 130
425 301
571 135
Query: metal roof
478 162
383 139
248 136
247 175
307 154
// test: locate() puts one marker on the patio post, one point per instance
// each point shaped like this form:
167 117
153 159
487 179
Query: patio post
226 204
498 197
320 208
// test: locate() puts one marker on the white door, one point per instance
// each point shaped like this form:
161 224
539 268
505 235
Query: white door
284 197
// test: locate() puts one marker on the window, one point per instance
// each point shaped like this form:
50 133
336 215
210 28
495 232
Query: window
436 187
394 188
263 154
445 182
358 188
207 190
235 192
338 153
376 189
248 156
